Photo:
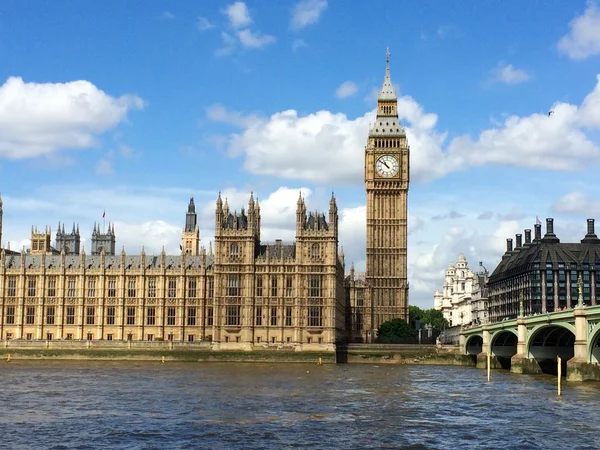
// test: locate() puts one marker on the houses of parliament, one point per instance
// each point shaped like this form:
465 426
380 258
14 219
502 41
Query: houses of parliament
241 294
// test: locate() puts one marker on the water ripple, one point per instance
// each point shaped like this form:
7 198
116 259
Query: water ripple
140 405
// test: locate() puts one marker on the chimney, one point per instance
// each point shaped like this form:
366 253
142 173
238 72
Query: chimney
549 226
538 232
509 246
519 241
590 237
550 237
527 236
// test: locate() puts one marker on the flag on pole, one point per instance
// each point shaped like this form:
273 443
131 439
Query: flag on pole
537 220
103 214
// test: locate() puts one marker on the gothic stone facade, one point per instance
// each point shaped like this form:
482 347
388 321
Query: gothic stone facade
245 293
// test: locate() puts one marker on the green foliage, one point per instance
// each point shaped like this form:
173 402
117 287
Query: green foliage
414 313
436 319
427 316
395 330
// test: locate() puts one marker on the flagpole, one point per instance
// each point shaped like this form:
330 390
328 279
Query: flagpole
104 222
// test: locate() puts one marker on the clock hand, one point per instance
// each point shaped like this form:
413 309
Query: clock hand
385 164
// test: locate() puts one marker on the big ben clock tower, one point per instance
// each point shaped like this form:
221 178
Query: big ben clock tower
386 181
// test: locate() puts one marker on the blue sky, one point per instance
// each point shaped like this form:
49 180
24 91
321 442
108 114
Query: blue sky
131 107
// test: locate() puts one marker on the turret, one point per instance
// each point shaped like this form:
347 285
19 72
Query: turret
219 214
300 214
104 241
70 242
190 235
333 213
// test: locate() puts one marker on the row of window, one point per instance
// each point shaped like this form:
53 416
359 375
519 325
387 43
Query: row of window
234 250
150 337
111 289
314 286
233 287
232 316
90 315
109 337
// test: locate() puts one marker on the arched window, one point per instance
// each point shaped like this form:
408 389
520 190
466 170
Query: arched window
233 250
314 251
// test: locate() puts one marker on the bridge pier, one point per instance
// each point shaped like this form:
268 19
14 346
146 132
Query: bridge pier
520 363
578 367
482 362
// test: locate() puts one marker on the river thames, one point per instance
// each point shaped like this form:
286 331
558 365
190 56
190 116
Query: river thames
142 405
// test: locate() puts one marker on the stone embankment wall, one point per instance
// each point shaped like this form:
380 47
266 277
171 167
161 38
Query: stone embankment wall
157 350
404 354
205 351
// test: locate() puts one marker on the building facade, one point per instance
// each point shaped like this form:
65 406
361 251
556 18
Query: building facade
463 298
246 293
387 172
544 275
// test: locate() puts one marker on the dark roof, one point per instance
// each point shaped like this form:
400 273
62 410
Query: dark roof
277 250
540 253
236 221
316 222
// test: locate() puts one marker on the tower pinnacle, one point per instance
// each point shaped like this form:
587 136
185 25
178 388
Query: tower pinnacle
387 90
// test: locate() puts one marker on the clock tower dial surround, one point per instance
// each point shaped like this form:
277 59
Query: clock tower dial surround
387 173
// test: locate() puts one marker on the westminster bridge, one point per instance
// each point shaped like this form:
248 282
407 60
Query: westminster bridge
531 344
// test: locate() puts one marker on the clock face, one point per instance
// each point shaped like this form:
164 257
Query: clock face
386 166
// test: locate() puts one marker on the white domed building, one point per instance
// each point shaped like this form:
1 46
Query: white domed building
463 299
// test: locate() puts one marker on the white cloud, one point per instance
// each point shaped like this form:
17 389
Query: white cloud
218 113
583 39
204 24
346 89
249 39
228 46
152 236
442 32
42 118
167 15
238 15
577 203
307 12
451 215
105 166
515 213
127 152
327 147
508 74
298 44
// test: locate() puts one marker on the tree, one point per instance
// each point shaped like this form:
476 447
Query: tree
435 318
395 330
427 316
415 313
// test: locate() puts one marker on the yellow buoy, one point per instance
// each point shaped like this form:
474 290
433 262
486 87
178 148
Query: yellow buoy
162 359
8 358
320 361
